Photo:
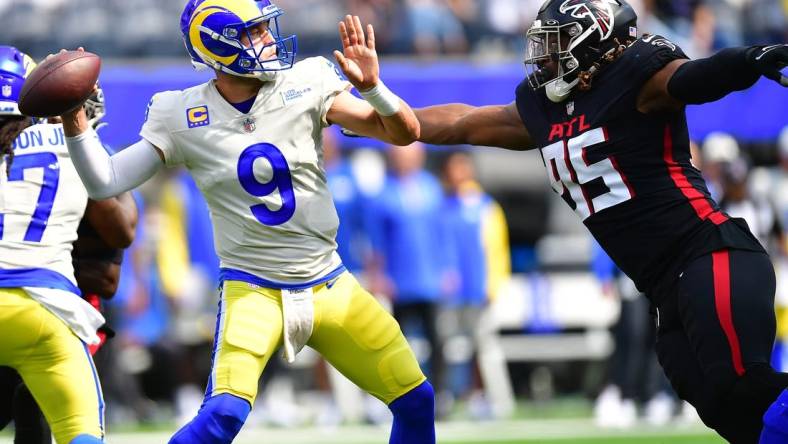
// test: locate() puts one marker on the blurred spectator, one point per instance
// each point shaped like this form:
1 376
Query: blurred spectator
315 24
410 242
139 317
186 256
778 187
737 200
134 28
189 270
748 22
758 198
509 19
689 24
769 183
477 230
634 374
717 150
435 28
352 242
765 221
468 14
389 18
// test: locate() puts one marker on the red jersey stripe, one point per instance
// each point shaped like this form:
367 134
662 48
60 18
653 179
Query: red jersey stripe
722 300
702 207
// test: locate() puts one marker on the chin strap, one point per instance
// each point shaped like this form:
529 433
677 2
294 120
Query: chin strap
558 90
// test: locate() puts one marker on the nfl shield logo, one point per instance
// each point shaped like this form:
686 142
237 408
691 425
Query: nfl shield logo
249 125
570 108
7 90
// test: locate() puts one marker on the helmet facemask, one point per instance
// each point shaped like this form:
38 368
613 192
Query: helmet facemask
549 61
95 109
260 60
215 38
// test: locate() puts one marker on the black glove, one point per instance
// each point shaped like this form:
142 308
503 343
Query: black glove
769 60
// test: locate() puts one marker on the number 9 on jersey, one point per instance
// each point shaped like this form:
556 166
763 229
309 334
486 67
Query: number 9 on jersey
281 181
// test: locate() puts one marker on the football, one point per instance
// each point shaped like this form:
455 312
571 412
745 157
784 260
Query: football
59 84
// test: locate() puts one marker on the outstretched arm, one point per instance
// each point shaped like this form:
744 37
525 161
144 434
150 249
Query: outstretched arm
114 219
98 251
683 82
97 276
457 123
382 114
106 176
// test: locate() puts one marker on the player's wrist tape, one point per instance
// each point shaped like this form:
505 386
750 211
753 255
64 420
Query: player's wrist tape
385 102
709 79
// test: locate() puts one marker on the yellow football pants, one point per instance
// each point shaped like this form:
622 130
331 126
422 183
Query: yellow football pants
351 330
55 365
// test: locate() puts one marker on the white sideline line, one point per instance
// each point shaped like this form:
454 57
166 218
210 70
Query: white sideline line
451 432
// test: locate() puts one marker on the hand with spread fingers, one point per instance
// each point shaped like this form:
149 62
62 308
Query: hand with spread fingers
358 59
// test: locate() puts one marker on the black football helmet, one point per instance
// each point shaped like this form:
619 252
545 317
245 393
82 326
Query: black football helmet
569 36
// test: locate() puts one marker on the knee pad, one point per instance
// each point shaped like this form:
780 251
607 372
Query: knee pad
416 405
219 421
85 439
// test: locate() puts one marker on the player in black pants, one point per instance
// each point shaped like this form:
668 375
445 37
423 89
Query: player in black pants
605 107
716 330
18 405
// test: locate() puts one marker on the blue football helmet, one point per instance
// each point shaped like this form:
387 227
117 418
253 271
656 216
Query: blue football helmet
14 68
213 29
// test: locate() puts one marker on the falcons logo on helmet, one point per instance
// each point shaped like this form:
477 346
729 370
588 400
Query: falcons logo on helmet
598 10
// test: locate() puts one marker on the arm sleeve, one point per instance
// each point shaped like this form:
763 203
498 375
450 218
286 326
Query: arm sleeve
106 176
706 80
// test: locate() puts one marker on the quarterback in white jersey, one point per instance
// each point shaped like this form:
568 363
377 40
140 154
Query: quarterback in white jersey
251 139
45 325
260 171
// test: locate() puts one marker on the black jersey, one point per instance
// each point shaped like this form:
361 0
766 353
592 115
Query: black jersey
628 175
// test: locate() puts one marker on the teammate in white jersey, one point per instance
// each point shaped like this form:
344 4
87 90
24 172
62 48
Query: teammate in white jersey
97 254
45 325
251 139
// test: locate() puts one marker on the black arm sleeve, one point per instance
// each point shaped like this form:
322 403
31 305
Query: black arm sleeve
710 79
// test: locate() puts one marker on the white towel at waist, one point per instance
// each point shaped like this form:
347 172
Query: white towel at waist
298 312
76 312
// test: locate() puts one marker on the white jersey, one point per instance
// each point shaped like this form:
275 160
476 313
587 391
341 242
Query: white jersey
261 172
42 201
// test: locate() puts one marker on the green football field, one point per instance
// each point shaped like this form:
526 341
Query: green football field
526 431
